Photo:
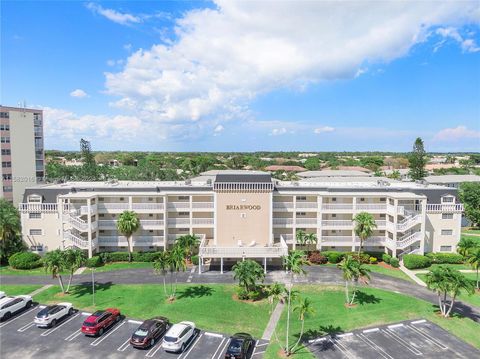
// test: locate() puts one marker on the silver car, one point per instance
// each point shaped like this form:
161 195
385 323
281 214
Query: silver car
178 337
50 315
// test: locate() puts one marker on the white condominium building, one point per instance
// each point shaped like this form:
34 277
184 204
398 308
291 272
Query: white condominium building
240 214
21 143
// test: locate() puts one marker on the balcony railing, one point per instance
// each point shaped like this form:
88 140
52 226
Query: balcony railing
306 205
179 221
438 208
306 221
38 207
178 205
113 206
371 207
337 239
283 221
137 241
202 205
275 251
147 206
337 206
337 223
282 205
202 221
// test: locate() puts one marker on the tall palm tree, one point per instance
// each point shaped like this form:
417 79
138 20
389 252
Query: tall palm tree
294 264
353 271
188 242
247 273
54 263
300 237
311 238
304 308
465 245
176 263
474 260
128 223
161 266
364 226
73 259
10 225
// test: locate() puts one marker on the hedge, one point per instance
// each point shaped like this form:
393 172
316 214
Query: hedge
316 257
446 258
334 256
25 260
386 258
415 261
93 262
108 257
394 262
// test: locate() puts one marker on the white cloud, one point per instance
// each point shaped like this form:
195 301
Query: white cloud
223 58
278 131
467 45
456 133
113 15
218 129
323 129
78 93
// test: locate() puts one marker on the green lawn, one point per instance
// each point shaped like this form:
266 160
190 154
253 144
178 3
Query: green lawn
471 231
392 272
16 289
211 307
121 265
7 270
375 307
473 299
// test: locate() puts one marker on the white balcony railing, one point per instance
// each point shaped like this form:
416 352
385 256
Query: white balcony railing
337 239
338 223
202 205
148 206
409 222
438 208
77 240
113 207
337 206
306 221
202 221
408 240
38 207
306 205
282 205
178 221
275 251
371 207
137 241
178 205
282 221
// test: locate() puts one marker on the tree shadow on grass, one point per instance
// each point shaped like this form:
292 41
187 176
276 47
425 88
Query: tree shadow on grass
365 298
320 345
196 291
85 289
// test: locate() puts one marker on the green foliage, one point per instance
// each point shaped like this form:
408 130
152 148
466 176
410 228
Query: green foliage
10 230
394 262
316 257
470 197
94 262
364 227
248 273
373 260
418 159
415 261
334 256
445 258
386 258
195 260
467 244
312 164
25 260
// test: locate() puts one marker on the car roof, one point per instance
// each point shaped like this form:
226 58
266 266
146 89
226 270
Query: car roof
6 300
178 328
241 336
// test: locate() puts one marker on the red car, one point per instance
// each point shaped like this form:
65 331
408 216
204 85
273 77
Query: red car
98 322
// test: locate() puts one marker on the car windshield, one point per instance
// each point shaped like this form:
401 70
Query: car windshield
170 339
88 324
141 332
44 312
235 346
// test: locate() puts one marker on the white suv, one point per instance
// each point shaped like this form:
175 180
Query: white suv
12 305
49 316
179 336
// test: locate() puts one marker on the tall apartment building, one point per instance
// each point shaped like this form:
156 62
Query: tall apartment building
22 156
243 215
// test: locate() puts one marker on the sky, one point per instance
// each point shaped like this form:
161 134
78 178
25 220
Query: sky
246 75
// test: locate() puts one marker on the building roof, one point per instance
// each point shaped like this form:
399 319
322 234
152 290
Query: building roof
452 179
351 168
243 178
285 168
334 173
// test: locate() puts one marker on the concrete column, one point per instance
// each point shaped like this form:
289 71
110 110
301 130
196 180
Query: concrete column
130 203
294 216
89 221
395 222
200 262
190 215
354 203
221 265
265 265
319 219
423 208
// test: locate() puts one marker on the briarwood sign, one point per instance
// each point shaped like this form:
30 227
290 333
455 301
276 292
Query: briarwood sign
242 207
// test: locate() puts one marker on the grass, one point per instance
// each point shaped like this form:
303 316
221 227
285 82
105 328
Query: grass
471 231
7 270
392 272
16 289
121 265
211 307
374 308
473 299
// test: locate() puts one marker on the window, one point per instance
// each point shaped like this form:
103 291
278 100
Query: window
34 215
334 216
383 199
101 215
35 232
4 127
183 213
301 198
183 198
6 152
7 177
7 189
448 199
150 199
382 215
183 229
34 199
121 198
37 248
447 215
334 199
301 214
7 164
447 232
445 248
5 139
4 115
362 199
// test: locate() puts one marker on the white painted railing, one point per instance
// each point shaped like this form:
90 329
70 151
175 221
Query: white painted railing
202 205
147 206
306 221
458 208
282 205
152 223
84 210
247 252
113 206
137 241
370 207
179 221
283 221
337 223
38 207
338 206
306 205
202 221
77 222
77 240
178 205
337 239
408 240
409 222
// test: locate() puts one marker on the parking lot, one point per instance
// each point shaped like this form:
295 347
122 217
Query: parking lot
20 338
405 340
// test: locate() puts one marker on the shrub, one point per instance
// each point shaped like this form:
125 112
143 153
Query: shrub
95 261
415 261
386 258
108 257
394 262
242 293
364 257
446 258
25 260
195 260
373 260
334 256
145 256
316 257
377 255
255 295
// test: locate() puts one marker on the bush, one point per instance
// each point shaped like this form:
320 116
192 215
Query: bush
386 258
255 295
445 258
415 261
394 262
334 256
145 256
364 257
95 261
316 257
377 255
108 257
373 260
25 260
195 260
242 293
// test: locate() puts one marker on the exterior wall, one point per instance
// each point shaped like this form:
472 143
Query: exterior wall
246 225
50 224
434 239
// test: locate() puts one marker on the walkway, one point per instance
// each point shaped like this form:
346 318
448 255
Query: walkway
412 275
272 323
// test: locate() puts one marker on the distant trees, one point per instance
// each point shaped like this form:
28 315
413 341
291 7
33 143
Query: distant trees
470 197
312 164
418 160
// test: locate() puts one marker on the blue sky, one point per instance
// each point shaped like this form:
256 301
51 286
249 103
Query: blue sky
246 76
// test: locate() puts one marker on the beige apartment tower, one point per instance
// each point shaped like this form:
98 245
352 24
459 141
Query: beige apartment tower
22 155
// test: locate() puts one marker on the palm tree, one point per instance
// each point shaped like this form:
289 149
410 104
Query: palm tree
176 261
275 294
304 308
10 225
364 226
353 271
465 245
474 260
73 259
54 263
188 242
293 263
161 266
247 273
128 223
311 238
300 237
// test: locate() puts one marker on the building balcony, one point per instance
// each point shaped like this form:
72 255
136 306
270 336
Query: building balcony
441 208
306 222
337 224
305 206
282 222
337 207
38 207
202 222
209 206
209 250
178 205
336 240
179 222
138 241
148 224
147 207
282 206
112 207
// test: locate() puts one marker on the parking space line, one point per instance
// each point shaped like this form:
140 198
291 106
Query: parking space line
376 347
134 321
192 346
124 346
344 335
435 341
14 319
400 340
342 348
395 326
25 327
221 350
216 351
371 330
214 335
102 338
73 335
313 341
261 345
86 313
154 350
418 321
44 334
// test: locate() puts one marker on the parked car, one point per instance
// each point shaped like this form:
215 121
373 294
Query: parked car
239 346
178 337
50 315
98 322
2 295
11 305
149 332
